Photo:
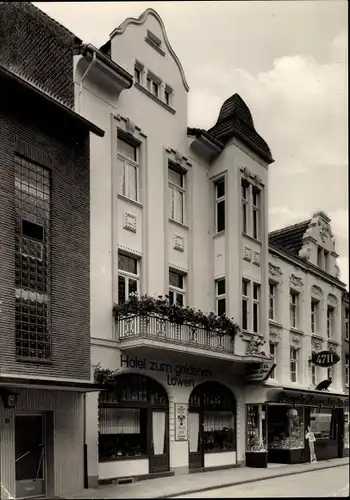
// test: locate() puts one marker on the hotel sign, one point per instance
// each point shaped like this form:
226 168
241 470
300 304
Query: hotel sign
261 372
325 358
181 431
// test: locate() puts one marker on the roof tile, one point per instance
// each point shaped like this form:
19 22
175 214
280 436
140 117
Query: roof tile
290 238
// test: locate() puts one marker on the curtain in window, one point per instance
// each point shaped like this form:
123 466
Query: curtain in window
158 429
193 430
119 421
132 182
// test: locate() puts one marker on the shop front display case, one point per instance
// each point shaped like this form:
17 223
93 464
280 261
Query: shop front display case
256 449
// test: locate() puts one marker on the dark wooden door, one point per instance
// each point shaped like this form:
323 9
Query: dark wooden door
159 446
195 428
29 449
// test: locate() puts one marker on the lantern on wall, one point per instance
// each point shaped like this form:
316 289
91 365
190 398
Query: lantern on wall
9 398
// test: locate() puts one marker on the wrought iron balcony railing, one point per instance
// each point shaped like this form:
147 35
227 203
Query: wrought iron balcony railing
158 328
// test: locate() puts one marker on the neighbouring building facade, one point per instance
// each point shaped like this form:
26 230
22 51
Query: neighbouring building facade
345 363
45 362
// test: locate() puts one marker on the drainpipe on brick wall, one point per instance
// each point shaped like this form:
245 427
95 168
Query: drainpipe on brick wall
87 71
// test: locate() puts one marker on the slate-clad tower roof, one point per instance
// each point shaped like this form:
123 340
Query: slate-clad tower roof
235 120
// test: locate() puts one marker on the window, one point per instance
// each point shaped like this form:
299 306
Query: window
245 304
176 288
286 429
152 85
314 315
128 277
329 372
128 161
319 257
168 95
313 374
220 205
346 324
218 431
273 354
245 204
220 296
32 260
347 370
294 359
272 301
255 209
176 183
256 308
330 321
137 74
323 423
326 261
293 309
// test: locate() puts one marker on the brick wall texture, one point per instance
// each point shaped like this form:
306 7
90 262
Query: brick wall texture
38 49
46 135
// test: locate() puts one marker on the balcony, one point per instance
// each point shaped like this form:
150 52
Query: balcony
155 328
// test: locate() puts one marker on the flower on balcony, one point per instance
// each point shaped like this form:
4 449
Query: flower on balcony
144 305
104 376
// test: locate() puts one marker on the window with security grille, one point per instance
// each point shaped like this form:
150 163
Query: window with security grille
32 260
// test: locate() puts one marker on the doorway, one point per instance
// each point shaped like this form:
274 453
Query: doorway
30 455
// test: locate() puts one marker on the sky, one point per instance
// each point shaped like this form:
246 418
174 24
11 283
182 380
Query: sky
287 60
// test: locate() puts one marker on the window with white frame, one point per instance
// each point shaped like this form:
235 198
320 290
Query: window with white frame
272 301
347 370
128 276
220 205
330 321
176 183
326 261
314 315
294 308
245 304
176 288
128 153
168 95
138 73
256 308
153 85
273 355
256 212
294 360
220 292
346 324
245 205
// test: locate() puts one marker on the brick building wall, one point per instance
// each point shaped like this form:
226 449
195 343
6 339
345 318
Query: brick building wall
37 130
38 49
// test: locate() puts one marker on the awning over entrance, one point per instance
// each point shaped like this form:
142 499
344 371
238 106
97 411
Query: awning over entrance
59 385
306 398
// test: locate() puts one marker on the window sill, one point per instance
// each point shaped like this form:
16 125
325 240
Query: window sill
173 221
133 202
275 323
154 98
119 459
252 238
212 452
154 46
36 361
293 329
220 233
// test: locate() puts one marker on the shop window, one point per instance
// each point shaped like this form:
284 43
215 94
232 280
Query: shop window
218 431
285 427
323 423
123 433
256 428
346 431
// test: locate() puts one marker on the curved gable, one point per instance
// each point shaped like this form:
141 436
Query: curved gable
139 22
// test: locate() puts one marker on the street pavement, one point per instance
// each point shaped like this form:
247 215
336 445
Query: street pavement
318 483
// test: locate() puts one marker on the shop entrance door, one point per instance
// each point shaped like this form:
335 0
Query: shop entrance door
29 453
159 452
195 435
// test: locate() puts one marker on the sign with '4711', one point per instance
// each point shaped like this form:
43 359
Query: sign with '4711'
325 358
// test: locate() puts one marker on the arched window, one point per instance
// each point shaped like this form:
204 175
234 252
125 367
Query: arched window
212 421
133 422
